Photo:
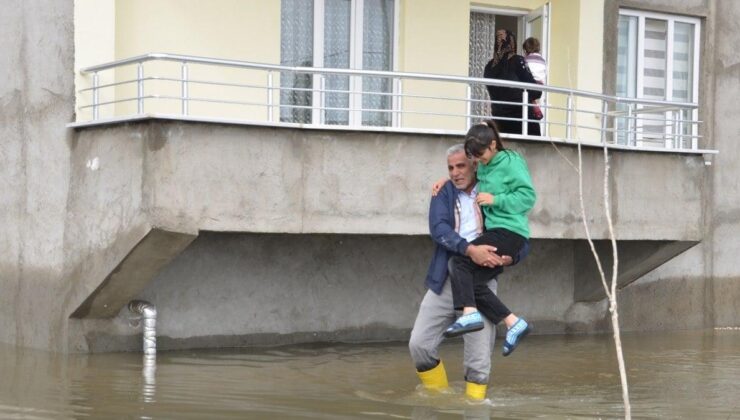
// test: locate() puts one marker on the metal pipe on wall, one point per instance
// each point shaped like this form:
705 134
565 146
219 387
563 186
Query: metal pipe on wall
149 314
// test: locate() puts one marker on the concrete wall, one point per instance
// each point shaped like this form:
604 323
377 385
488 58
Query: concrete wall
36 101
261 179
264 289
70 207
335 191
725 224
700 288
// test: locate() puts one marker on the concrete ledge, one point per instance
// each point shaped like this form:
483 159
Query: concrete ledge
636 258
288 180
153 252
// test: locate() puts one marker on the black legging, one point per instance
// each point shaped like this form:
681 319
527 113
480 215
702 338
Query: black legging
515 127
469 280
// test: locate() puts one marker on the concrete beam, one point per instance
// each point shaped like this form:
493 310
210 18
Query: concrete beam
283 180
153 252
636 258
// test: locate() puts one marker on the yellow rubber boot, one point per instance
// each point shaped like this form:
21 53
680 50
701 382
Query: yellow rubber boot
475 391
435 379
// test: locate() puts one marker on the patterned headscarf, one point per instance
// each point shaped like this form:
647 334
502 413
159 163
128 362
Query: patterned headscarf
505 48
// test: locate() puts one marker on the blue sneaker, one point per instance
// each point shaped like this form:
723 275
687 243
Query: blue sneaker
516 333
465 324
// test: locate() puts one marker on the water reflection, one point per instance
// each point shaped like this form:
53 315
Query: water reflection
678 375
148 374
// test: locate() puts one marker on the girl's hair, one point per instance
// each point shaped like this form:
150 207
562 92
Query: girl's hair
480 136
531 45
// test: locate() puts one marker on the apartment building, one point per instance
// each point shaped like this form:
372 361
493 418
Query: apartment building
259 170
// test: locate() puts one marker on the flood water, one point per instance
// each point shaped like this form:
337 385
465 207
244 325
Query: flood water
693 375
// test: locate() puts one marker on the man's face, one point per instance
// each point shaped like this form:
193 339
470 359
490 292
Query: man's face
461 170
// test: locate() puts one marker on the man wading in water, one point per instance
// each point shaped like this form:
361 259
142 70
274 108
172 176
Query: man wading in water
455 220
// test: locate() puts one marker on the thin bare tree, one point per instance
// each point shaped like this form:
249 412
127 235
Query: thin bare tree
611 292
609 289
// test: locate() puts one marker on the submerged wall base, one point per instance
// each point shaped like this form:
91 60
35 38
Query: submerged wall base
236 290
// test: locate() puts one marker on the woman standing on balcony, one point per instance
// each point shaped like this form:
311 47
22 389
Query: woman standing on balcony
507 65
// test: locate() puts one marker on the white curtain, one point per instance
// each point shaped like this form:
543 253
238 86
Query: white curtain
377 54
296 49
337 27
481 45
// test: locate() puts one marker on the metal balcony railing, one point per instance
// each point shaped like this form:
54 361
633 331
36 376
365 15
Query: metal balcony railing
189 87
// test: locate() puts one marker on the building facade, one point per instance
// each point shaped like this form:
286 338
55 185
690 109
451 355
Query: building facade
261 172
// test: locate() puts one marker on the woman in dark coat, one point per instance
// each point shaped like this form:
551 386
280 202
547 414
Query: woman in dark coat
507 65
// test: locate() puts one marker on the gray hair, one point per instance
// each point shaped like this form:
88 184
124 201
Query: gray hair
458 148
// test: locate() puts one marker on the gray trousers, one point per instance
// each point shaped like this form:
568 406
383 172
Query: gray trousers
435 315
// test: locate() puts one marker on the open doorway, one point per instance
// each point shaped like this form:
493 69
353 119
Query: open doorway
484 23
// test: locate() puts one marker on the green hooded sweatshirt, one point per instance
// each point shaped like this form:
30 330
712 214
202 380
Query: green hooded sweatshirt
506 177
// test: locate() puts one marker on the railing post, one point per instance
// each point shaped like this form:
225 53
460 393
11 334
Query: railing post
322 99
569 117
674 128
270 116
693 127
96 98
525 112
397 102
140 88
631 126
469 106
185 93
604 110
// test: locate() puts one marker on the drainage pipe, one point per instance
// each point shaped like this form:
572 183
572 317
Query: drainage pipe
149 314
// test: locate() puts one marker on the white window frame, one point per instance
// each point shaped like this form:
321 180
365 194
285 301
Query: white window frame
355 61
670 21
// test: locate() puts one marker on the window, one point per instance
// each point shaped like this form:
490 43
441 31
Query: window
657 59
343 34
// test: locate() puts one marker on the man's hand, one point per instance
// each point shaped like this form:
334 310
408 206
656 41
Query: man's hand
485 255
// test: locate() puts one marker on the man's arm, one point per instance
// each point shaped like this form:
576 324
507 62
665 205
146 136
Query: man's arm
442 224
442 229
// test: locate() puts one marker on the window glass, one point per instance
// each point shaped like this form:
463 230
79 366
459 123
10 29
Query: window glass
683 62
627 56
626 74
648 38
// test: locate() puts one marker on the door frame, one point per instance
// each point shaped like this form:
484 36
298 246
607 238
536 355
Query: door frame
519 13
542 12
